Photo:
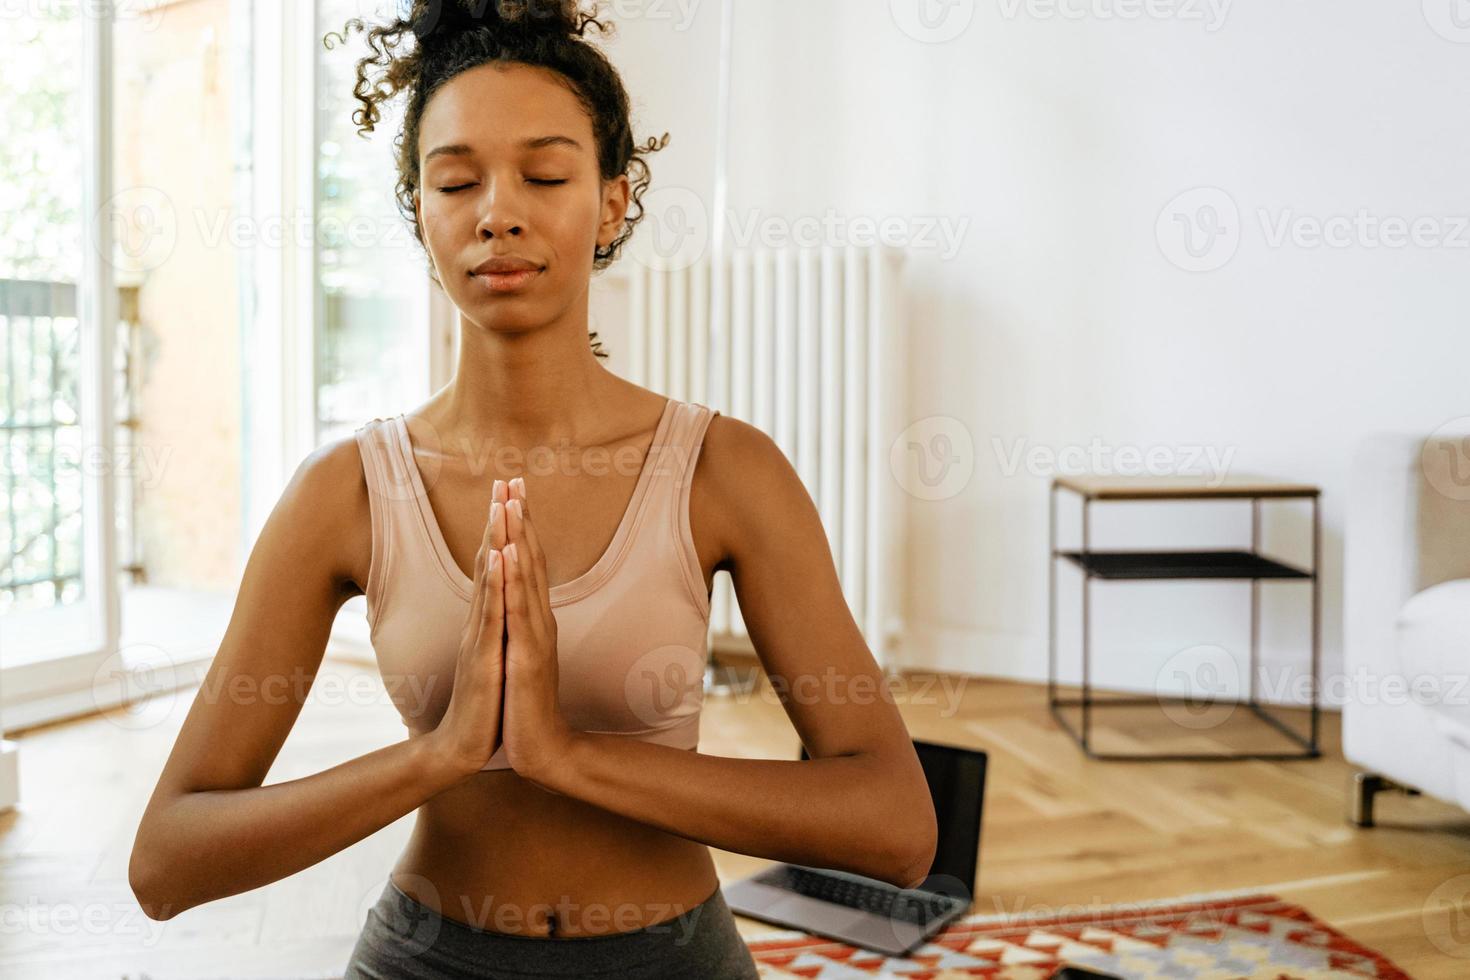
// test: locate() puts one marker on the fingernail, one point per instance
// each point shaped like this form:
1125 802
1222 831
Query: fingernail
520 485
517 505
510 552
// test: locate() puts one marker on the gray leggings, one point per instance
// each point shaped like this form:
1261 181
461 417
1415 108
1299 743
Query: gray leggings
404 939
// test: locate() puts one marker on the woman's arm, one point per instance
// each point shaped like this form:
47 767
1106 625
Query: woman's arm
211 829
862 803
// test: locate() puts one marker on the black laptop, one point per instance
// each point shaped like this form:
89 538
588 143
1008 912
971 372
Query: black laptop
873 914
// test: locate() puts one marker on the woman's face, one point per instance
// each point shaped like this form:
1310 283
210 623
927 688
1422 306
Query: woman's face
508 169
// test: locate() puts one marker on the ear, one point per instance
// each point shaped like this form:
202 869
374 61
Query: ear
616 195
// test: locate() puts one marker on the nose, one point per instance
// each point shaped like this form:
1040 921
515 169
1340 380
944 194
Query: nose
500 214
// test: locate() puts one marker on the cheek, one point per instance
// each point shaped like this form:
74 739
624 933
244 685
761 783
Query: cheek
434 222
572 225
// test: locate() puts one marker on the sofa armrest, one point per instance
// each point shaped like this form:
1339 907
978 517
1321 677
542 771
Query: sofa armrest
1380 561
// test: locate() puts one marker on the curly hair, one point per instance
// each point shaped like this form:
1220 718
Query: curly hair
453 36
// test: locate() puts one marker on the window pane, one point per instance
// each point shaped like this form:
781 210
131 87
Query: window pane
372 278
40 263
177 252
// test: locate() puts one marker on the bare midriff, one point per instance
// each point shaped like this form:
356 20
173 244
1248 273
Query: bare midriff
501 854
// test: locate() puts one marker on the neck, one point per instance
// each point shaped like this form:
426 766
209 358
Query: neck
536 386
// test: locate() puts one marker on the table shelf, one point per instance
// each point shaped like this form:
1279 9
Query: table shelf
1143 565
1181 565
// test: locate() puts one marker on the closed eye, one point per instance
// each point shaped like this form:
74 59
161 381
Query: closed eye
531 180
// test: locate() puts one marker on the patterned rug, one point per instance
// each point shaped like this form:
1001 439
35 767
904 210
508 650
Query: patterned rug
1198 937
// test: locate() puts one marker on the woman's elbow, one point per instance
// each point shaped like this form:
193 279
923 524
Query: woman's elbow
915 855
149 880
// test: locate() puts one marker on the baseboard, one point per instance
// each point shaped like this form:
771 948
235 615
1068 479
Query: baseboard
9 774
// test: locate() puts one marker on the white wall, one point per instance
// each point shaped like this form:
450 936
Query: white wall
1054 143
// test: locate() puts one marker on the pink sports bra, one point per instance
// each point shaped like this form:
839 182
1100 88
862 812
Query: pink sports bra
631 630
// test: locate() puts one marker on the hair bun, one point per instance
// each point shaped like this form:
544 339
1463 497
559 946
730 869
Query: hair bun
444 18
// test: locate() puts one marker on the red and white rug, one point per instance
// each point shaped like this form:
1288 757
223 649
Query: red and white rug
1200 937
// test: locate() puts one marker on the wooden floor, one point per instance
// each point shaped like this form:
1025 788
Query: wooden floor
1059 830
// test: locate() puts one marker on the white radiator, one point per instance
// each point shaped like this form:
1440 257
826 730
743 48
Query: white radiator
806 348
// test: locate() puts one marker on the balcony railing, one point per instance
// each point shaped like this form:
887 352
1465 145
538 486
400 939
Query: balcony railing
40 411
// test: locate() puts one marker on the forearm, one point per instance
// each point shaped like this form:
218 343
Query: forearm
829 813
210 844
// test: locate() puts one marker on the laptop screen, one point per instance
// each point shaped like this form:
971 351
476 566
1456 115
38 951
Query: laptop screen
956 779
957 784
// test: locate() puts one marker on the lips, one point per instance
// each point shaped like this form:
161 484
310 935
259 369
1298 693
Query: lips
505 264
504 274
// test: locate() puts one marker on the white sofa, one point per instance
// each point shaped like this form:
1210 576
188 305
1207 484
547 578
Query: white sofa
1406 619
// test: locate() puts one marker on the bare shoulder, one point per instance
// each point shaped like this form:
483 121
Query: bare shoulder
328 497
743 480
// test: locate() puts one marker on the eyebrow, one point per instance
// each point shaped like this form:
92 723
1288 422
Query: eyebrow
534 143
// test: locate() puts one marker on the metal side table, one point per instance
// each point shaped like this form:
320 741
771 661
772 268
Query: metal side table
1249 566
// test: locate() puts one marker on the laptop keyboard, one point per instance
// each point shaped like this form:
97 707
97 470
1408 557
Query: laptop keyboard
906 905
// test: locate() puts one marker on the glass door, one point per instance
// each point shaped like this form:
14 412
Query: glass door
59 323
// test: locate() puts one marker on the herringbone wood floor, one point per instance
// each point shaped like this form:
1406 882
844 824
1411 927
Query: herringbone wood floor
1059 830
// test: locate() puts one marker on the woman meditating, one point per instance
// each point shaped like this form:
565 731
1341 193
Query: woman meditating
536 544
